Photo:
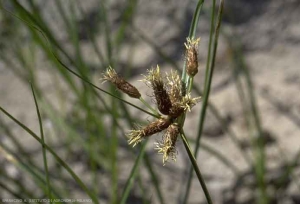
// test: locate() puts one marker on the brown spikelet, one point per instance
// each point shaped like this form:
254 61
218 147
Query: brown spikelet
176 110
162 98
174 87
191 56
167 146
136 136
120 83
185 104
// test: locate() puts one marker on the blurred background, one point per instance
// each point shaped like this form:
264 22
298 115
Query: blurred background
255 88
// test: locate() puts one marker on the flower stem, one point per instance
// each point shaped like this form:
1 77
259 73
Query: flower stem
195 166
148 106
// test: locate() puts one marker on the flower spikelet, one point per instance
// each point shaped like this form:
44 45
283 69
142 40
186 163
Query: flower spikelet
185 104
167 146
174 86
136 136
120 83
176 110
188 102
191 56
156 81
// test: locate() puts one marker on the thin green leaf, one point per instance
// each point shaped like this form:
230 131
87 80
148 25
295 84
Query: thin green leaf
5 187
60 161
154 179
43 142
133 173
79 76
211 32
260 166
36 175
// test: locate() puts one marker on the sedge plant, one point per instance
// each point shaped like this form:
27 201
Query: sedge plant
171 92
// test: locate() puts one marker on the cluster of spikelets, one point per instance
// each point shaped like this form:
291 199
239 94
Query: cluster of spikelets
171 99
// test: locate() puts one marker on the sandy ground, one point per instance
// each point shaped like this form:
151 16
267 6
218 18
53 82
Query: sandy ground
269 33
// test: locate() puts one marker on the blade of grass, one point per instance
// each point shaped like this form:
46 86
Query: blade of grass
206 96
26 17
43 28
260 166
133 174
114 136
37 20
113 152
102 90
289 168
7 131
63 16
126 21
143 190
43 142
107 33
91 37
60 161
154 178
21 188
73 72
253 118
61 124
37 176
211 32
87 95
12 192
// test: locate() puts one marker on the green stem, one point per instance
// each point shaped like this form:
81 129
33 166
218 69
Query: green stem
260 166
133 173
192 33
212 25
84 78
43 146
148 106
58 159
190 84
206 96
195 166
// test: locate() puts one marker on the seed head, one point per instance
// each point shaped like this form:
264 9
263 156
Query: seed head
136 136
120 83
188 102
156 82
176 110
185 104
174 86
167 146
191 56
